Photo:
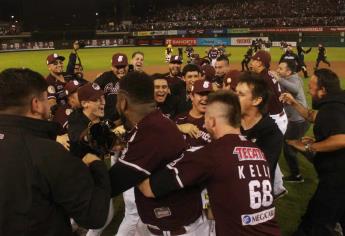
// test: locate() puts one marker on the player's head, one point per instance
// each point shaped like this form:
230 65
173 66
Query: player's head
175 65
71 89
286 68
223 111
119 65
260 61
323 82
289 48
91 98
79 70
199 93
161 88
191 73
222 65
55 63
23 92
138 60
135 97
253 93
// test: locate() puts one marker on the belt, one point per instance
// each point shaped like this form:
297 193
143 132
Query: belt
159 232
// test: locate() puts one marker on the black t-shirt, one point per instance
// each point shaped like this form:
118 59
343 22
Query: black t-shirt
330 121
109 83
171 107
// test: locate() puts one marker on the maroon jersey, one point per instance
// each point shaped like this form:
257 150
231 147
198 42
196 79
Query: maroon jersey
154 143
274 105
56 90
204 137
238 182
213 53
61 117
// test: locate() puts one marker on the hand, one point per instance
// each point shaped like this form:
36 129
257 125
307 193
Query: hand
307 139
120 130
64 140
89 158
298 144
287 98
189 129
145 188
275 75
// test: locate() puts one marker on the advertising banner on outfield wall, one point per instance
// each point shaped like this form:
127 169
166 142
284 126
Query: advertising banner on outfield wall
196 31
181 41
238 31
213 41
288 30
99 43
172 32
215 31
26 46
277 44
245 41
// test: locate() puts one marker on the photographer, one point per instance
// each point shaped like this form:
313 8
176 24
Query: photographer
75 70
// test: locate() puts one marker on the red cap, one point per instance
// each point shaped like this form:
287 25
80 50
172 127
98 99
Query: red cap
71 87
231 78
209 72
53 57
264 57
119 59
90 92
175 59
201 86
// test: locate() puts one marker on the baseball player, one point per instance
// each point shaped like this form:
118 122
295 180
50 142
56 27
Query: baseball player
246 58
300 53
213 54
321 56
189 50
168 52
234 170
137 61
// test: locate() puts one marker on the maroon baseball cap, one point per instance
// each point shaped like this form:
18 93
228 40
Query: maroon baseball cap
119 59
51 58
90 92
231 78
71 87
263 56
201 86
175 59
209 72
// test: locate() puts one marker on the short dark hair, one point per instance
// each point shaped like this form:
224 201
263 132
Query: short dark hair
189 68
328 80
223 58
137 52
228 98
18 86
291 65
158 76
258 87
139 87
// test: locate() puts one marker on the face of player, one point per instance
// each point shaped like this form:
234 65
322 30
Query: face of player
56 67
247 102
315 92
199 101
95 109
138 62
175 69
255 66
120 71
283 71
42 107
73 100
190 77
161 90
221 68
79 71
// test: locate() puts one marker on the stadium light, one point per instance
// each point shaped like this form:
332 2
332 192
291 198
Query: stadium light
96 13
12 17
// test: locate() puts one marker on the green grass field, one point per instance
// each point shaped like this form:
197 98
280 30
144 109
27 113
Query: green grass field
289 209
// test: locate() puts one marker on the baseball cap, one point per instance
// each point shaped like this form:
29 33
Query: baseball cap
231 78
175 59
209 72
71 87
51 58
262 56
90 92
201 86
119 59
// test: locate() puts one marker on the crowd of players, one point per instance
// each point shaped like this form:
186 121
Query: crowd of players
194 151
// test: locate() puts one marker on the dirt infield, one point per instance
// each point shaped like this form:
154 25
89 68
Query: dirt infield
338 67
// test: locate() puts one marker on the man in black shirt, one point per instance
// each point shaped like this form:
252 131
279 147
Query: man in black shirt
321 56
109 83
327 206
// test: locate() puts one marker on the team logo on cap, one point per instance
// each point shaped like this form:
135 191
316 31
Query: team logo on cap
51 89
75 82
206 84
228 80
56 55
95 86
